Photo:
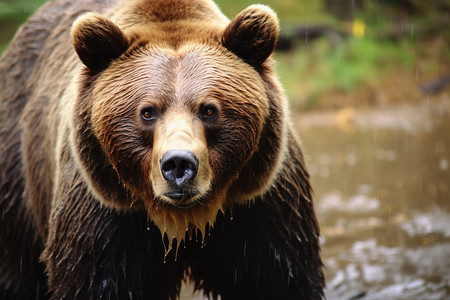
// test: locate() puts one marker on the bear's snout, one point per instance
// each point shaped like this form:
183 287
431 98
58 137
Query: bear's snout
181 174
178 166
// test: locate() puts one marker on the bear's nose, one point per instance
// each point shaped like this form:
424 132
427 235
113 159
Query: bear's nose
178 166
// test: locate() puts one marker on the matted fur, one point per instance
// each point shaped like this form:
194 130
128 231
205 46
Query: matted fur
81 181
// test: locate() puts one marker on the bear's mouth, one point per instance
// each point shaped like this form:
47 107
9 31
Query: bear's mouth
182 199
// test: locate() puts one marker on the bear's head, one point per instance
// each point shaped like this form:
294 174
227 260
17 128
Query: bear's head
183 117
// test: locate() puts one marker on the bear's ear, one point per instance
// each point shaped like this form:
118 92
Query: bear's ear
97 41
252 34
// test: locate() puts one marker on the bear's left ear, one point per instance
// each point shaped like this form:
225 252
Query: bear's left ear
97 41
252 34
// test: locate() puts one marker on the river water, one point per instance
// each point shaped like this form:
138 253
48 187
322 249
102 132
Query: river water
381 181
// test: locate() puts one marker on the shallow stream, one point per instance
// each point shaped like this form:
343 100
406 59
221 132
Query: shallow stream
381 182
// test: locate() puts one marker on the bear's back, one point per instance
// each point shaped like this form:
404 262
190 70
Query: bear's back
34 73
29 68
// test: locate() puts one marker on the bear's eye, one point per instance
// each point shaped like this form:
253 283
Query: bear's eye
208 112
148 114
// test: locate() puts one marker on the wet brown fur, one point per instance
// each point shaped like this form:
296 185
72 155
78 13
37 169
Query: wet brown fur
78 165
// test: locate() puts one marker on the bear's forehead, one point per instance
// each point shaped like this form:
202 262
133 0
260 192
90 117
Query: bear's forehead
188 74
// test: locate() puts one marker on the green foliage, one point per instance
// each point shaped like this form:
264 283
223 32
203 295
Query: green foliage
321 66
3 47
12 14
289 11
19 9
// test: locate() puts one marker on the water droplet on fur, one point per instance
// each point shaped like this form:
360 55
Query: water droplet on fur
176 250
148 225
203 239
167 250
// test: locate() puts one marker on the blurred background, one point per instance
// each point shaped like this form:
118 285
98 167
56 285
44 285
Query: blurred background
369 86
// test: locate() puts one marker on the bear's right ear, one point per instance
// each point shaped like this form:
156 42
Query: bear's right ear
97 41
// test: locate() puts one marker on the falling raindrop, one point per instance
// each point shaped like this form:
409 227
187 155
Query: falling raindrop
443 164
390 207
440 148
351 159
235 276
245 247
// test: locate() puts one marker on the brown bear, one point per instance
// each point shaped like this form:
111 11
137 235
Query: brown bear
144 142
